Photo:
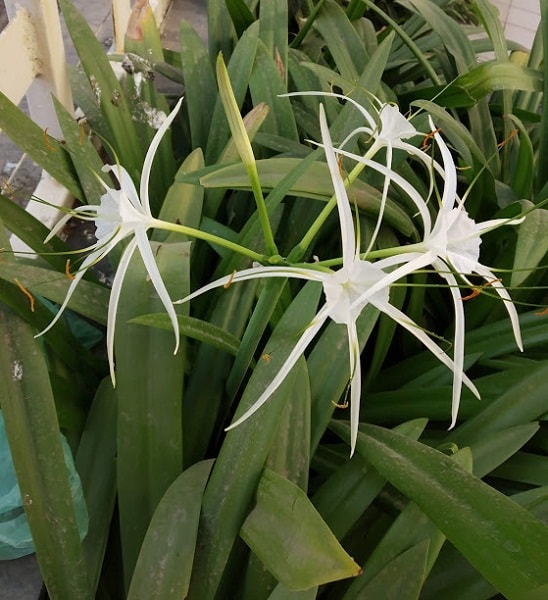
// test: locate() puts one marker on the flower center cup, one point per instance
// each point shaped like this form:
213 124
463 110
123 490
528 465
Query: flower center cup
346 288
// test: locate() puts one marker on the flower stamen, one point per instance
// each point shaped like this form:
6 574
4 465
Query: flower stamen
427 137
26 292
47 143
68 274
230 280
476 291
505 141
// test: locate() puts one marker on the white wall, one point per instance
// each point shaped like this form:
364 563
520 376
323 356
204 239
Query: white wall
520 19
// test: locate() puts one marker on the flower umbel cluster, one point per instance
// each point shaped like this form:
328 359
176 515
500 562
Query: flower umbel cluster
450 245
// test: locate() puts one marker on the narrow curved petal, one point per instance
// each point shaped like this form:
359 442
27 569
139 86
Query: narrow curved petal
151 152
366 114
486 226
154 273
257 273
91 259
348 236
413 194
113 301
355 383
450 172
384 198
127 186
418 262
66 218
407 323
505 296
358 131
458 344
289 363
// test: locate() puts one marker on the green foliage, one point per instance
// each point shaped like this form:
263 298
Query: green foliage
274 509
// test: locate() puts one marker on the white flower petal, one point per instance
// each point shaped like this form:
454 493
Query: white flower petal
407 323
151 152
458 344
90 259
157 281
355 383
505 296
127 187
114 299
450 171
348 236
257 273
289 363
413 194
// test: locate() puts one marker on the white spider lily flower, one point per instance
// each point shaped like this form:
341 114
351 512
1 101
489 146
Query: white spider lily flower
452 248
122 213
388 129
347 291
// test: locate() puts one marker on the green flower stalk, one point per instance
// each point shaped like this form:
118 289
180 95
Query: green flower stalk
243 145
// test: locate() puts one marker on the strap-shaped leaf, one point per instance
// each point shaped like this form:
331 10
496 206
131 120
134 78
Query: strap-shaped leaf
33 432
197 329
165 562
503 541
294 543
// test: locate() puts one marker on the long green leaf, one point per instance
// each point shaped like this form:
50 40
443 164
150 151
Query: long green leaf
504 542
350 490
194 328
400 579
273 18
266 84
342 40
42 148
85 157
525 401
291 538
289 457
96 464
149 389
315 183
30 418
411 528
200 85
89 299
107 90
244 450
148 106
453 578
239 71
531 246
542 160
164 565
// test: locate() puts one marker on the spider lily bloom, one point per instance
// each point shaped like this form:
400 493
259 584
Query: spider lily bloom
389 129
452 247
347 291
122 213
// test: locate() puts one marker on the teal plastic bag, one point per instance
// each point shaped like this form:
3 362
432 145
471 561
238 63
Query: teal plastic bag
15 536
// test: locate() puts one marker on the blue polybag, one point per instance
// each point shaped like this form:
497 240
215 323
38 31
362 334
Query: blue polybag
15 536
